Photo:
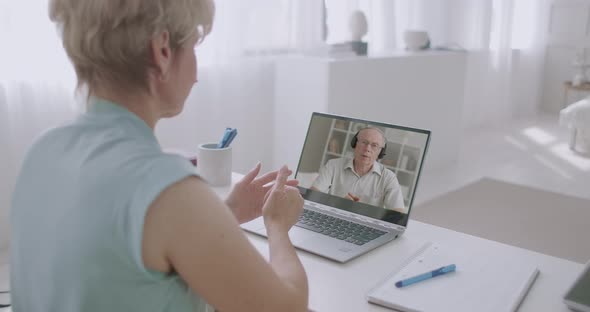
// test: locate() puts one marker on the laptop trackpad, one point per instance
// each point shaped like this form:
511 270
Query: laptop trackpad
299 235
296 234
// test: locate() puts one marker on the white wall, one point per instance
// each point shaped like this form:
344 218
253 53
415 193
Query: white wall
301 89
568 31
527 75
25 112
423 90
245 102
484 103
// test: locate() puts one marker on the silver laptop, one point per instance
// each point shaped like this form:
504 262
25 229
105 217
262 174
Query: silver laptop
358 179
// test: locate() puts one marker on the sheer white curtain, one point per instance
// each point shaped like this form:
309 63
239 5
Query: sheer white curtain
504 39
506 47
236 76
235 85
36 88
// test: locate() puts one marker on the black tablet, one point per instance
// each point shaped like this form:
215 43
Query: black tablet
577 297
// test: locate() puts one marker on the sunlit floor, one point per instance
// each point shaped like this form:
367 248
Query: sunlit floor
532 152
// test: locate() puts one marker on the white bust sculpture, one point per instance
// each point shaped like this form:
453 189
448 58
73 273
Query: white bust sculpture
357 23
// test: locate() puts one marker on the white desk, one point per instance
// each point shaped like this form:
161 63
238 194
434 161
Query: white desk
342 287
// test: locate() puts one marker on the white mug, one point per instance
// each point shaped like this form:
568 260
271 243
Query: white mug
215 164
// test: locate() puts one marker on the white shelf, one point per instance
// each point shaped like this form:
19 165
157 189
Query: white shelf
340 130
402 170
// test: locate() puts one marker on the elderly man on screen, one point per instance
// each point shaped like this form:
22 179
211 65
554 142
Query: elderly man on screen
362 179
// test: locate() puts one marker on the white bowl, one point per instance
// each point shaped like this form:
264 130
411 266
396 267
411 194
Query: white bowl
415 39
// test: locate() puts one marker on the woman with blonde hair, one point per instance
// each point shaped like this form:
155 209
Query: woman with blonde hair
103 220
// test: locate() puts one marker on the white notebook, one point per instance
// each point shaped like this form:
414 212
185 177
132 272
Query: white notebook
482 282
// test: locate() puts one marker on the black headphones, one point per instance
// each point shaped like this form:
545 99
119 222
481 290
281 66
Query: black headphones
355 140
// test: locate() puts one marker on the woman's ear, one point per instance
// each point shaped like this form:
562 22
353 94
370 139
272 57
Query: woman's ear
161 54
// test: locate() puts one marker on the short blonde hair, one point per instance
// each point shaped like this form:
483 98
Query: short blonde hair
108 40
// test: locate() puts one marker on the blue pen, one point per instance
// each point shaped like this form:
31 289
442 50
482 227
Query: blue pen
424 276
232 136
223 141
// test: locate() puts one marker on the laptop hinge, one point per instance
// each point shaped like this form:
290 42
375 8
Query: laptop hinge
358 217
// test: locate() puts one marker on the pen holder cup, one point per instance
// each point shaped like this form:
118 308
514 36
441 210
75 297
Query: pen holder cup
215 164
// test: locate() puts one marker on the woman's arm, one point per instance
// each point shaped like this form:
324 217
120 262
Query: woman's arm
188 229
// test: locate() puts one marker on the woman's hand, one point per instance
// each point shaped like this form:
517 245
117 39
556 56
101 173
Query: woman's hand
283 204
248 195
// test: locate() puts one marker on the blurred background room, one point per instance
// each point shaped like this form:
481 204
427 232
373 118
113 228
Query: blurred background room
488 77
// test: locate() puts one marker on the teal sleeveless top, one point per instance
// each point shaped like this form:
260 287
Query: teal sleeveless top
77 218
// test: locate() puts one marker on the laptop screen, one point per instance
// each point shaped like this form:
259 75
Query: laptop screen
362 166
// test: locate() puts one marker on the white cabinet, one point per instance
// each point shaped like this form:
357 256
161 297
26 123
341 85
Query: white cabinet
420 90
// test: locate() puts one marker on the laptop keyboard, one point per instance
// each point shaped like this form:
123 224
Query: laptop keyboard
338 228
